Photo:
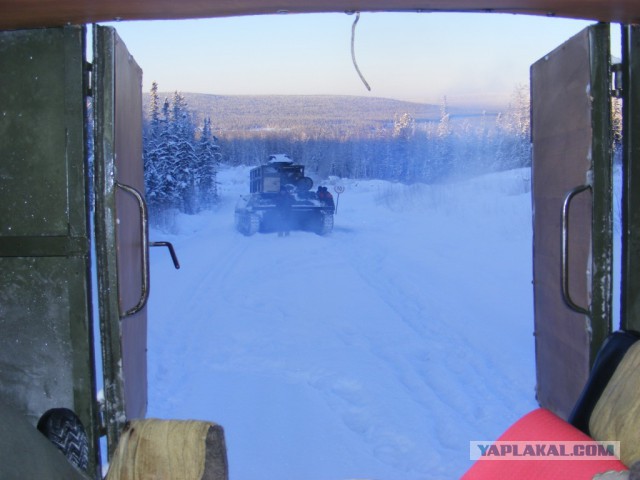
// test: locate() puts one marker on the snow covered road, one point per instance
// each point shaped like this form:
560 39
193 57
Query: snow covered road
377 352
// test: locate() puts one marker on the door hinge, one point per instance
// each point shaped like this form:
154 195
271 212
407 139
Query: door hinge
616 71
88 69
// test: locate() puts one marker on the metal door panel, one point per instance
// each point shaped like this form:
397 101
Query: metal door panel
46 345
119 230
129 171
630 285
570 95
32 128
40 351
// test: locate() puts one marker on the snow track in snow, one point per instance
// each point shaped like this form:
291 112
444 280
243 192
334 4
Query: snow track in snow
378 351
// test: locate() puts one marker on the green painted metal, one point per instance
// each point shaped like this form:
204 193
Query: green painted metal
46 337
630 283
54 246
602 187
105 229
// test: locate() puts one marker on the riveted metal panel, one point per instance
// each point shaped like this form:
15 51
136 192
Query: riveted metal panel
571 147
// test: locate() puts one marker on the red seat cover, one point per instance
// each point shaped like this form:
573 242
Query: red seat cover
542 425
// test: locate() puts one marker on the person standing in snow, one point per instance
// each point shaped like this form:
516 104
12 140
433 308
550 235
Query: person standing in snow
324 195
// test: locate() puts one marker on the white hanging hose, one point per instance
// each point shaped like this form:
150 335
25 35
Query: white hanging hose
353 50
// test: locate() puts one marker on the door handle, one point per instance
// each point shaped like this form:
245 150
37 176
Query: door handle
172 252
566 296
144 239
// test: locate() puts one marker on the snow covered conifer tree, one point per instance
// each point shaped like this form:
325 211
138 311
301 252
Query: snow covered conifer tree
181 155
514 149
154 109
442 153
152 163
208 157
403 130
169 155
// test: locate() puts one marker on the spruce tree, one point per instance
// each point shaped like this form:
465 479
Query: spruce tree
208 157
180 171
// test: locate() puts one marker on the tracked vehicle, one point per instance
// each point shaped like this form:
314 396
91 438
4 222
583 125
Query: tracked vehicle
281 199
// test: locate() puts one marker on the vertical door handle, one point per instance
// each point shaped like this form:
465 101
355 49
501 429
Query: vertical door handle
144 238
566 296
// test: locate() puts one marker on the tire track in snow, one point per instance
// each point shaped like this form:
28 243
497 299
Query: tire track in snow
189 325
391 364
428 372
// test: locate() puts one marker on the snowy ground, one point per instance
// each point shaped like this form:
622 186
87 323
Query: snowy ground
377 352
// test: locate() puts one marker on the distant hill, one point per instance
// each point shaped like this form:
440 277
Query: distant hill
257 112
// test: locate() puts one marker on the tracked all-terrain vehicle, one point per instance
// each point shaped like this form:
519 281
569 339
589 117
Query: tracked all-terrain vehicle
281 199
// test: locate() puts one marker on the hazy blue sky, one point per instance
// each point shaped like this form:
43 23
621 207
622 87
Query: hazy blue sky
409 56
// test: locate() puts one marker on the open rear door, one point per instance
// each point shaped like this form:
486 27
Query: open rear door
46 344
572 198
121 230
630 285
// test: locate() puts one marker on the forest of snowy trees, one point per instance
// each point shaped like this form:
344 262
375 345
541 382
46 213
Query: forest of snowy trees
403 149
181 158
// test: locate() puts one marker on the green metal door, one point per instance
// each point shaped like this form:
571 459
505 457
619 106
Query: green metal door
630 285
572 198
46 346
121 230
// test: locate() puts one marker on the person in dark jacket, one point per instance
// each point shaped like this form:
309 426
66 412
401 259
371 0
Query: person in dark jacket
325 196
